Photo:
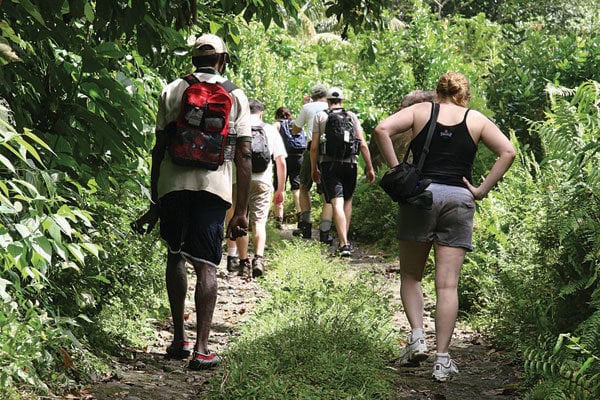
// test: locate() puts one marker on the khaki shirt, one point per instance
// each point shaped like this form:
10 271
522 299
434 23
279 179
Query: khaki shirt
175 177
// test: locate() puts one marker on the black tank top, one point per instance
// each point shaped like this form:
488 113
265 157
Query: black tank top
451 153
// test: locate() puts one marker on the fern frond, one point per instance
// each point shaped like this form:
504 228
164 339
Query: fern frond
560 368
590 333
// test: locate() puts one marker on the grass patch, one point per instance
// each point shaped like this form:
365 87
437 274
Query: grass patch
322 331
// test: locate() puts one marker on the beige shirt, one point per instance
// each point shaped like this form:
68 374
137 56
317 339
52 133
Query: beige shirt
319 128
176 177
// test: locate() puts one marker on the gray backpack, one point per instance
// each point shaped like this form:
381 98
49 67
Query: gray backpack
261 156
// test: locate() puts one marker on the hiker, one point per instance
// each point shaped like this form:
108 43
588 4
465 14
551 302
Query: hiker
192 191
337 139
448 225
295 144
318 96
261 189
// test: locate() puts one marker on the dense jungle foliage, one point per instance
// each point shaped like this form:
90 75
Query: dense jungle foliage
78 89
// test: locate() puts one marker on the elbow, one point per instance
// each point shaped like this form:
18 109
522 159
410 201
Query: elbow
377 132
510 154
380 132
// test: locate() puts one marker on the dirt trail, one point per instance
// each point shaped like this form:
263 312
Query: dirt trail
485 374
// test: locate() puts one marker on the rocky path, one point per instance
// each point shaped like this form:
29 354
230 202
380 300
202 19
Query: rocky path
485 373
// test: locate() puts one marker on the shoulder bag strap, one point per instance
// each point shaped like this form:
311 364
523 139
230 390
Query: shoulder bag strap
432 123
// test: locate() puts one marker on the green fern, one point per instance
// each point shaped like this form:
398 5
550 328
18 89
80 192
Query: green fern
567 255
590 332
560 372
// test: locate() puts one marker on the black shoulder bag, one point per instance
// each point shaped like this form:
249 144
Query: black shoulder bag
405 183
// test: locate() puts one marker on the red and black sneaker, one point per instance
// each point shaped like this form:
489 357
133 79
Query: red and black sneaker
179 350
201 361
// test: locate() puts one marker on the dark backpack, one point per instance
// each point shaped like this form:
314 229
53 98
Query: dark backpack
294 144
202 137
340 136
261 156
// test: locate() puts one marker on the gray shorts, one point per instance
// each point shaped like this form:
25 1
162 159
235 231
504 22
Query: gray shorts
448 223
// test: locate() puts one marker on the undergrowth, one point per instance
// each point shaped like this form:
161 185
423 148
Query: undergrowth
320 332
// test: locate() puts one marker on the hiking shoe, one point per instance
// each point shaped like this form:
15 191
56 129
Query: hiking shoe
325 237
258 266
233 263
179 350
345 251
414 353
443 373
204 361
244 268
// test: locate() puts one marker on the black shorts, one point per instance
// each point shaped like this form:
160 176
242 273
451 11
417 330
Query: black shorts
292 163
338 179
191 223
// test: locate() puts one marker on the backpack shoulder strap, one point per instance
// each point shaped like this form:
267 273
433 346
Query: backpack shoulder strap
259 127
190 79
228 85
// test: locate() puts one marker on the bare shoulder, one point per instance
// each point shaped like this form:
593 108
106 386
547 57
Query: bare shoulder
477 121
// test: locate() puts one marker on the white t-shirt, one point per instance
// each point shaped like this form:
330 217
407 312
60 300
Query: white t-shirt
307 115
276 148
175 177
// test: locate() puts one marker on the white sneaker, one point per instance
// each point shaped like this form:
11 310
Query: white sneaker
443 373
414 352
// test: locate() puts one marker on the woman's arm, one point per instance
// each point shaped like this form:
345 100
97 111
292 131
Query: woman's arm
493 138
399 122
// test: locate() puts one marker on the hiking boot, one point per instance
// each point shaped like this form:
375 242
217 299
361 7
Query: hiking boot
298 230
304 230
244 268
345 251
443 372
204 361
307 230
179 350
414 352
279 223
233 263
258 267
325 237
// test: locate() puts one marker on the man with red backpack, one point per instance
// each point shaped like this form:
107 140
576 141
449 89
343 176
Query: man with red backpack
202 128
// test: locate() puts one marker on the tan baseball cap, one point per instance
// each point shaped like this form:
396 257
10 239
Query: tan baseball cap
335 93
217 44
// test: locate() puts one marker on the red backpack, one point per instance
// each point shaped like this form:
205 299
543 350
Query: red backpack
202 137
